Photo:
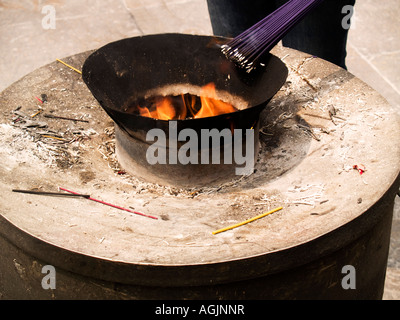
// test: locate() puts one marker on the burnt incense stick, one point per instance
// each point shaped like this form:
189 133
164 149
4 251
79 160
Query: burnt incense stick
249 46
55 194
111 205
64 118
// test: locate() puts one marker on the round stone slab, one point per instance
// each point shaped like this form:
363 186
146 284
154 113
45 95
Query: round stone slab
329 152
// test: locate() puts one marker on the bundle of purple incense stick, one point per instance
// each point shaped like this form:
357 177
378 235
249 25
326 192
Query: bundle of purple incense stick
250 45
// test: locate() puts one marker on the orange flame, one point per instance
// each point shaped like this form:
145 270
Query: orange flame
211 106
165 109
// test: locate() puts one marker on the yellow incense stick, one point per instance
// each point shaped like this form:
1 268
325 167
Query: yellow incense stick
80 72
55 138
35 114
247 221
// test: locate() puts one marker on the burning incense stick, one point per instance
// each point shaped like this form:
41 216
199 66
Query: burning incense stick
111 205
71 67
247 221
250 45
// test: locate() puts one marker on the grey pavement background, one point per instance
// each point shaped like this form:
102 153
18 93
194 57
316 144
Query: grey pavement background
81 25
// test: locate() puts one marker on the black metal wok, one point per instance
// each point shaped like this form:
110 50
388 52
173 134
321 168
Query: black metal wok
124 71
128 70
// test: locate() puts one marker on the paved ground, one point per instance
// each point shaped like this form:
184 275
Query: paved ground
374 56
29 41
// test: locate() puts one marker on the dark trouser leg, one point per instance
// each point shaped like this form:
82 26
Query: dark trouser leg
321 32
229 18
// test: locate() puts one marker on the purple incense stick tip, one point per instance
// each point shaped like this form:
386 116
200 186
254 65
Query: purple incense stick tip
250 45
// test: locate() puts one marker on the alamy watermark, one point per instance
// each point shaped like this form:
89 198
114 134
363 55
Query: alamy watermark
49 20
197 148
349 280
348 21
49 280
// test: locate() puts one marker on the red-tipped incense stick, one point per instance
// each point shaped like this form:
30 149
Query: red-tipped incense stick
40 100
111 205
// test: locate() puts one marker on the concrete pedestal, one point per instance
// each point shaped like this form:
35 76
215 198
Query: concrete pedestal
330 159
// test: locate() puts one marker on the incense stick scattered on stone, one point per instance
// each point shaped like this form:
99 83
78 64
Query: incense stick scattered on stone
56 194
40 100
111 205
71 67
35 114
54 138
64 118
247 221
